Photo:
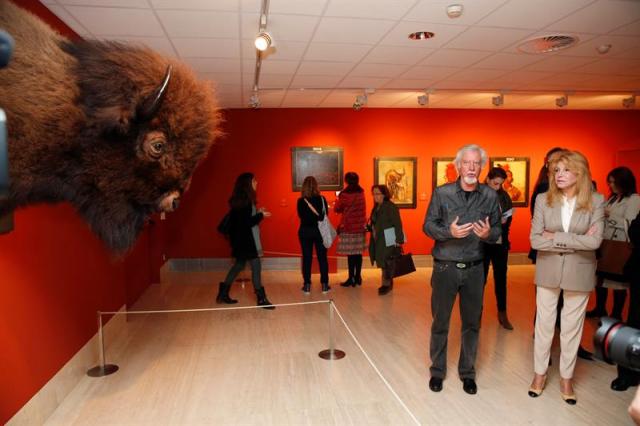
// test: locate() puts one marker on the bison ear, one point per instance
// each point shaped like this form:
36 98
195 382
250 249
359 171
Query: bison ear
152 103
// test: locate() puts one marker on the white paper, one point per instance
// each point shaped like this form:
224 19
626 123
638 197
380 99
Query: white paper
390 237
508 213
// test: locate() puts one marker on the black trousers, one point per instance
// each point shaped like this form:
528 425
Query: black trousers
633 320
498 255
447 282
307 244
238 266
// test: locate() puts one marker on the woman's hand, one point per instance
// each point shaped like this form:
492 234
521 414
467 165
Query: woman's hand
592 230
607 211
264 212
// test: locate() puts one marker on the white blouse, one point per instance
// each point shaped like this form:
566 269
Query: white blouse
567 211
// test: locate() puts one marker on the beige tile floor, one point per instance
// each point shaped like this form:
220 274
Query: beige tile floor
261 367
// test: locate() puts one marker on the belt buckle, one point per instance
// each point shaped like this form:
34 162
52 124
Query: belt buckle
461 265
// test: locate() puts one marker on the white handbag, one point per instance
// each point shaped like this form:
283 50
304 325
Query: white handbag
327 231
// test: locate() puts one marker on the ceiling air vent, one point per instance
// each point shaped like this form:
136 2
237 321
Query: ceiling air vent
549 43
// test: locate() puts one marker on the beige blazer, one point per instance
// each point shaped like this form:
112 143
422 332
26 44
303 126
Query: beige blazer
569 260
620 216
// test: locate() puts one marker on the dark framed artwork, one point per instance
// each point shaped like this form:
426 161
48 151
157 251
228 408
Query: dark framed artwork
517 182
400 175
444 171
323 163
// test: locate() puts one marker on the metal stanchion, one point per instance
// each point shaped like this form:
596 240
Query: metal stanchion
103 369
331 353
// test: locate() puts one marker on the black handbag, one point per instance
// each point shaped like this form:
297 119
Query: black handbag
224 225
399 264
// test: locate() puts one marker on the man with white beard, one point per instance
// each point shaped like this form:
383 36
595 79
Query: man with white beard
461 217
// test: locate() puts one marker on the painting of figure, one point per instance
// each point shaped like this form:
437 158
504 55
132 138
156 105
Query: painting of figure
444 171
517 182
399 174
323 163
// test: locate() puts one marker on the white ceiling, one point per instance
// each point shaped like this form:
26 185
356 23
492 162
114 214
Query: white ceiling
329 51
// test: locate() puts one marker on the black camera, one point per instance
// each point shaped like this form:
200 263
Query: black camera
616 343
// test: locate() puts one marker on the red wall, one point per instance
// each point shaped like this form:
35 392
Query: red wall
260 141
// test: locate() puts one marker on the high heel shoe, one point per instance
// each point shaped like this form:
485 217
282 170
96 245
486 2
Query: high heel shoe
535 392
569 398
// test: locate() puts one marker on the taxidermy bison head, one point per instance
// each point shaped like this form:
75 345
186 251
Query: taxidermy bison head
114 129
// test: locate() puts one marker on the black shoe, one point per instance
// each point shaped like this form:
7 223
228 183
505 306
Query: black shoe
621 384
348 283
358 280
223 295
262 299
584 354
596 313
469 386
306 288
435 384
325 288
384 289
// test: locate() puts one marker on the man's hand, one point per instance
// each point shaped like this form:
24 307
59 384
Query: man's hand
482 228
460 231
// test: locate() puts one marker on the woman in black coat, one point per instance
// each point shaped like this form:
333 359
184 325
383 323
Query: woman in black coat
244 236
312 208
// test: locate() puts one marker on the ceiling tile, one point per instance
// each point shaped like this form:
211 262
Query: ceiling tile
589 47
380 9
364 82
507 61
378 70
365 31
325 68
214 64
281 27
476 74
336 52
409 84
62 13
482 38
454 57
304 98
221 77
600 17
159 44
139 4
429 73
199 23
102 21
207 47
315 81
518 78
396 55
531 14
559 63
223 5
278 67
436 11
399 36
609 66
297 7
271 81
632 29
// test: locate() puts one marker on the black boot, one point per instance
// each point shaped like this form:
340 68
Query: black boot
306 288
325 288
348 283
601 302
223 294
262 299
619 297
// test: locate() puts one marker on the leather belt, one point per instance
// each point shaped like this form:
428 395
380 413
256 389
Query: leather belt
461 265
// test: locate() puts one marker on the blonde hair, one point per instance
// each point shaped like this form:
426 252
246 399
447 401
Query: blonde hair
579 166
310 187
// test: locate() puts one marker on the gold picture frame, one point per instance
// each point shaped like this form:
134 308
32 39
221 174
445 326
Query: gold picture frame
517 182
400 175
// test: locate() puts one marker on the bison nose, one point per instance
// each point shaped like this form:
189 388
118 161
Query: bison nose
170 202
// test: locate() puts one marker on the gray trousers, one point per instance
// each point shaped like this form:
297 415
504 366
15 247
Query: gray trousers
447 282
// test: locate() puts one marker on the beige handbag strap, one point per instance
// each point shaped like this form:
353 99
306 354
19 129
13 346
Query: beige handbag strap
311 207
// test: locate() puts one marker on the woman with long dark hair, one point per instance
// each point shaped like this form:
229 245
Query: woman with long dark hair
620 209
351 231
244 236
384 223
312 208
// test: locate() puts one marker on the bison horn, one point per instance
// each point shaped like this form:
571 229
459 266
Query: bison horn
152 103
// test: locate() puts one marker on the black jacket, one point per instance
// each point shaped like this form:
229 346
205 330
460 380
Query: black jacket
308 219
632 267
241 220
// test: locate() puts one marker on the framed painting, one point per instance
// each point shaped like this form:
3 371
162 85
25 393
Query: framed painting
323 163
444 171
517 182
399 174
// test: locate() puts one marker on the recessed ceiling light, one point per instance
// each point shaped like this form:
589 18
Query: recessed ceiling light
421 35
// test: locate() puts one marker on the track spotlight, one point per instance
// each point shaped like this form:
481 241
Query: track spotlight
263 41
629 102
254 101
423 100
498 100
562 101
361 100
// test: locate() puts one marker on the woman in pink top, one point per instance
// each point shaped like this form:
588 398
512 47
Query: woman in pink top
351 204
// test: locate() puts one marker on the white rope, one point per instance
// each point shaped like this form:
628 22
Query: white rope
373 365
282 253
213 309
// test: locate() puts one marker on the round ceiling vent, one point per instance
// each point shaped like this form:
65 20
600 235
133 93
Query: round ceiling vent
548 43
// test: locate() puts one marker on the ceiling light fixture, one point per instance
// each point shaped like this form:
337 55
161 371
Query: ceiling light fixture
603 48
629 102
454 10
562 101
423 100
254 100
498 100
263 41
421 35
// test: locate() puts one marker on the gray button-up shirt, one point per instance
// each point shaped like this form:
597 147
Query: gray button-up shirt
449 201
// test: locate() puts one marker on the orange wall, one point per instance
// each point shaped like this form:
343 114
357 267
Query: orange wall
260 141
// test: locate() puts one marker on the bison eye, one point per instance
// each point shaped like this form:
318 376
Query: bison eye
157 147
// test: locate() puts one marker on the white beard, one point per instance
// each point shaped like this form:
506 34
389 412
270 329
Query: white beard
470 180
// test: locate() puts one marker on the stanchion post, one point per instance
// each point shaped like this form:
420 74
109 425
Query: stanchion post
103 369
332 352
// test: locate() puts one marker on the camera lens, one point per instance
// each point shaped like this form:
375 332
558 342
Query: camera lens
616 343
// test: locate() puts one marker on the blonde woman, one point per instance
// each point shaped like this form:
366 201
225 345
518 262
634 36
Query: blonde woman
566 229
